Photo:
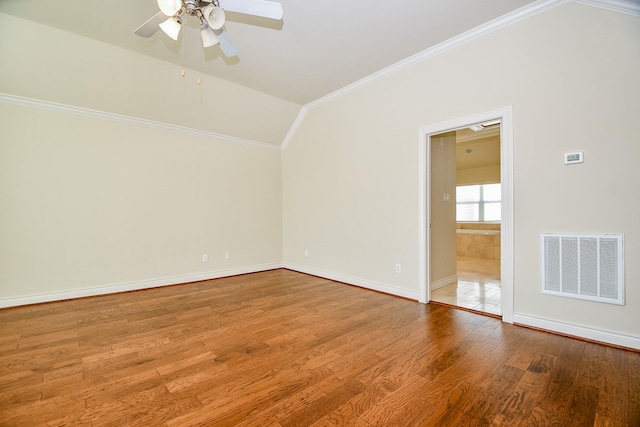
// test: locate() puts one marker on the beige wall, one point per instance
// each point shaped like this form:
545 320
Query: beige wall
570 74
481 175
44 63
443 213
88 203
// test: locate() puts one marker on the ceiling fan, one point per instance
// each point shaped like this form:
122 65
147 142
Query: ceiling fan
211 16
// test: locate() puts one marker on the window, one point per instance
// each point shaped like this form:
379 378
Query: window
478 203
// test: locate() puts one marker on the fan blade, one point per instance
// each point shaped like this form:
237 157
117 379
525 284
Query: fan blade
227 47
151 26
266 9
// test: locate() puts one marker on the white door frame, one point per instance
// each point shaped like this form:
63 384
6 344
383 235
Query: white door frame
506 177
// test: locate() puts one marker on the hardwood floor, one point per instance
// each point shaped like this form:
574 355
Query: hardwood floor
281 348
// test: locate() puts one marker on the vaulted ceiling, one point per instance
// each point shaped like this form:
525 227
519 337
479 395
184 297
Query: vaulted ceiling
318 48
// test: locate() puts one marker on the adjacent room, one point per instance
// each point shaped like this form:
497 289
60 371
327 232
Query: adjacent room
475 285
245 212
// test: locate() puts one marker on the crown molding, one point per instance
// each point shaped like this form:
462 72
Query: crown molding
452 43
630 7
294 128
129 120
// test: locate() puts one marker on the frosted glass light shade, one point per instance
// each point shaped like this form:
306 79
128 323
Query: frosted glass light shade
169 7
171 27
208 37
214 16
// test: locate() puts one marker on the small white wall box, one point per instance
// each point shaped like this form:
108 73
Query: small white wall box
571 158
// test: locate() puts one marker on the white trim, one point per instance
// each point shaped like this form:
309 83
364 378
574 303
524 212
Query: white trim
294 128
506 173
134 286
628 7
424 216
507 225
447 45
356 281
444 282
119 118
614 338
622 6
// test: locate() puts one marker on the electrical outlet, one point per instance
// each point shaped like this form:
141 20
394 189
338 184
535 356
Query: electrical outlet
398 268
227 255
306 252
205 257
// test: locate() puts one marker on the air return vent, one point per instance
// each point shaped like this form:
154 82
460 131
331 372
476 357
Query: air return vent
583 266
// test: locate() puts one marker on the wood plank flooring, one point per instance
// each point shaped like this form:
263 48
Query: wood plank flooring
280 348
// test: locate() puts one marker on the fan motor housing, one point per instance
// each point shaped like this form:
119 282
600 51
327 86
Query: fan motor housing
191 6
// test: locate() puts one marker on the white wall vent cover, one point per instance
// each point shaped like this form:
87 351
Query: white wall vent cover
583 266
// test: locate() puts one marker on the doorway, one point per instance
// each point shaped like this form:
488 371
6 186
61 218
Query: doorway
466 215
432 253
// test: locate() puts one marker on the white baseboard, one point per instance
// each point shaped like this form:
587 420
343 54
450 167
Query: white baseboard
614 338
134 286
356 281
443 282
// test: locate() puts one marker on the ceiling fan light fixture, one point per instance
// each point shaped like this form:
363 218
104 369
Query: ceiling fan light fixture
209 38
169 7
211 14
214 15
171 27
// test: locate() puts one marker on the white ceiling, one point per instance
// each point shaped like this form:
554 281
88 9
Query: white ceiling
318 48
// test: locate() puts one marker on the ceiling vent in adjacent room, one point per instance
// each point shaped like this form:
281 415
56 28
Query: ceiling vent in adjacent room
487 125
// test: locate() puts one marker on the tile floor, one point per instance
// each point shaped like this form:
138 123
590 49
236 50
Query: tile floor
478 287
